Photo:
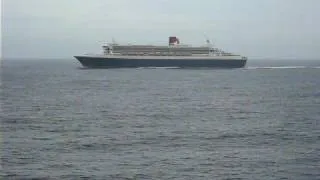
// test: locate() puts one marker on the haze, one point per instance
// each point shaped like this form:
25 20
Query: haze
278 29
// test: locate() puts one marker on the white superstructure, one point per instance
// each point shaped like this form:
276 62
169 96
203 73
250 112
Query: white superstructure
174 48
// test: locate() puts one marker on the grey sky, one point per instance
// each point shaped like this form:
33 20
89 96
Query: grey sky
255 28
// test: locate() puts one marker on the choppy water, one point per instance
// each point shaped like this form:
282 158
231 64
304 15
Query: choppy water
62 122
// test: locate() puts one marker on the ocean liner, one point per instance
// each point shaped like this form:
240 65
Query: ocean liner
172 55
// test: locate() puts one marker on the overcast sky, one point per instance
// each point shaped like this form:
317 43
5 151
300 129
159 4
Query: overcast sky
254 28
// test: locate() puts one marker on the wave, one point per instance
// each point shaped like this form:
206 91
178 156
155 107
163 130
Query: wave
283 67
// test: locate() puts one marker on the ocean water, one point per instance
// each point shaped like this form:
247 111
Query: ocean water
59 121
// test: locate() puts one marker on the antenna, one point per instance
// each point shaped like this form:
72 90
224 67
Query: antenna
113 41
209 43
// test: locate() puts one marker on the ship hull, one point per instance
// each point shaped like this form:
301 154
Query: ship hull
118 62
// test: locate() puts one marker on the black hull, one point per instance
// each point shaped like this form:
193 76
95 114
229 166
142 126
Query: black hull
98 62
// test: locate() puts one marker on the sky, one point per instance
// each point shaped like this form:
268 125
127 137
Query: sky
258 29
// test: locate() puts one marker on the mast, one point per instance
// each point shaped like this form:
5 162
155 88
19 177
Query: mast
210 46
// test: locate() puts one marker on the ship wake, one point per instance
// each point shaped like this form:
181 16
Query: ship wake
158 68
284 67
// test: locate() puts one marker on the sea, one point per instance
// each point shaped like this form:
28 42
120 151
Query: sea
62 121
